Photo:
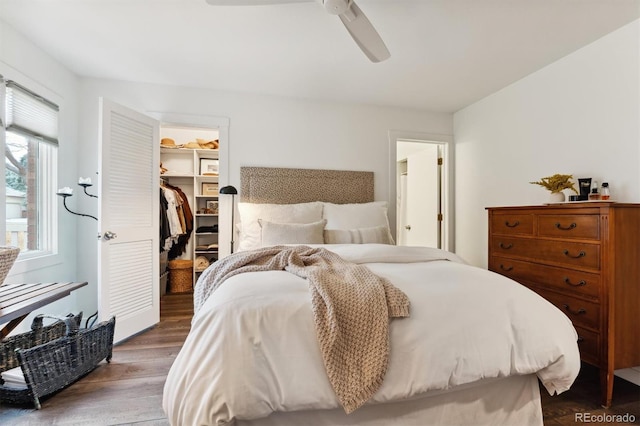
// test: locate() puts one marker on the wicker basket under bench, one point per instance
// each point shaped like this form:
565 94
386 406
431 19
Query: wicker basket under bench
53 357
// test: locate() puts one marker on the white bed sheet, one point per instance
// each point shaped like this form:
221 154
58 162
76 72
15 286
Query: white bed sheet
252 349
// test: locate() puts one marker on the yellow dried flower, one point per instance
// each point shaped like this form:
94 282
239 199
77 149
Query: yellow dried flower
556 183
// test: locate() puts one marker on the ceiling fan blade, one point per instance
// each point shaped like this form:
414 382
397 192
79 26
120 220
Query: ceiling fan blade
252 2
365 36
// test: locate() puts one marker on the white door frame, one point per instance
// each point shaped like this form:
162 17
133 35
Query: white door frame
446 141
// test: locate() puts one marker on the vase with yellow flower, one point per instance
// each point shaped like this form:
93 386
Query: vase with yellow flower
556 184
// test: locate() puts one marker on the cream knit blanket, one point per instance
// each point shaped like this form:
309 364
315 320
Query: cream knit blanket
351 308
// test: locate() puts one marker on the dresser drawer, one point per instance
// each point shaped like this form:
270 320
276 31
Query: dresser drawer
566 280
512 224
569 226
562 253
581 312
589 345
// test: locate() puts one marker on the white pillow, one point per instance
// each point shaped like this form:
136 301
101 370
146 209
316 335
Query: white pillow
251 235
372 235
274 234
356 216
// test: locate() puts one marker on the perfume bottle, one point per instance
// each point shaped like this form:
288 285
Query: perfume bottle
604 191
593 195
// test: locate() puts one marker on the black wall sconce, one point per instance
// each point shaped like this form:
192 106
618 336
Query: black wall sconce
67 192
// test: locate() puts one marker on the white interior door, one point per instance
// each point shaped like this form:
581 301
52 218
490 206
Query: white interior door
422 198
128 250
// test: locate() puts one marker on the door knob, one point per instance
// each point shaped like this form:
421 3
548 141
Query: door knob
109 236
407 227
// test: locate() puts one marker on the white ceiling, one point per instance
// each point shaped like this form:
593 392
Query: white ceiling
445 54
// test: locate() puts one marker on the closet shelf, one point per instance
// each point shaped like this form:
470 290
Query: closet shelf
180 175
187 151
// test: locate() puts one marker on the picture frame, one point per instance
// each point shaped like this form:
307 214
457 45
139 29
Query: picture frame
210 188
212 206
209 167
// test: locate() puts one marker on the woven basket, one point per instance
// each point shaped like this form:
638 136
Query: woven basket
8 255
55 364
180 275
38 335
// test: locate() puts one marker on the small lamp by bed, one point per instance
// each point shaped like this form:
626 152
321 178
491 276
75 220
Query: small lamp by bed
230 190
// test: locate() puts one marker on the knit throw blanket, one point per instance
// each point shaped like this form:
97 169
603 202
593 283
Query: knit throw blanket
351 308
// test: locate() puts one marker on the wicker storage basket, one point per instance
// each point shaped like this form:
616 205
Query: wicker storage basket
38 335
8 256
57 363
180 275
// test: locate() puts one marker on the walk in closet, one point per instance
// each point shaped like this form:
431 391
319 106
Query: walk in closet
189 174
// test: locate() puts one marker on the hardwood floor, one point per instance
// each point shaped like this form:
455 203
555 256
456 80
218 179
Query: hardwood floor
583 399
128 391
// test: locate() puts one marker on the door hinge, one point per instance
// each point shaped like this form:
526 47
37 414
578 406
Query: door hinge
439 217
440 161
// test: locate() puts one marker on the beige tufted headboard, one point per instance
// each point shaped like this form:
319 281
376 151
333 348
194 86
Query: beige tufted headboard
289 186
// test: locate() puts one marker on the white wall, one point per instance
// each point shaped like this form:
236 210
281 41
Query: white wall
28 65
264 131
579 115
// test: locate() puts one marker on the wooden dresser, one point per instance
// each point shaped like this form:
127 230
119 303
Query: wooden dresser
585 259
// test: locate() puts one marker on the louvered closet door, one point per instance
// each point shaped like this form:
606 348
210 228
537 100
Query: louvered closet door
128 268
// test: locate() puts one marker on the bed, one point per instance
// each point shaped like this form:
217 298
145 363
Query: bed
470 349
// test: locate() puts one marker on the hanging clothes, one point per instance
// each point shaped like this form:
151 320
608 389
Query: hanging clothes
186 217
165 229
172 214
176 220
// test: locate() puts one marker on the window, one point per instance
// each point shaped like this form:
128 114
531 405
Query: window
30 139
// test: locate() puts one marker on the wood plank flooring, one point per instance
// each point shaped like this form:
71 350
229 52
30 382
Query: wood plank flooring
126 391
129 390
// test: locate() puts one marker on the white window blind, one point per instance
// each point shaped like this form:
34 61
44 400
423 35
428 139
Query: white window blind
30 114
29 140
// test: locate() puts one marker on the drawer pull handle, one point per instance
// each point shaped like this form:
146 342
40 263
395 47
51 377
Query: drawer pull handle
579 284
505 246
511 225
578 312
566 228
506 269
579 255
580 339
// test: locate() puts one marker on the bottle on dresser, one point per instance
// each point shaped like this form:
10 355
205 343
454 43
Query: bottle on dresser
604 191
594 195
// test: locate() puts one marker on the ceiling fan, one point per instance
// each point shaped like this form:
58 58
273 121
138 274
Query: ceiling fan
365 36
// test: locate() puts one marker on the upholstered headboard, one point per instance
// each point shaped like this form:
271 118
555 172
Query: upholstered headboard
289 186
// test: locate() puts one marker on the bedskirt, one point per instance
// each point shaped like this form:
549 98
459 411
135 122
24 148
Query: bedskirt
510 401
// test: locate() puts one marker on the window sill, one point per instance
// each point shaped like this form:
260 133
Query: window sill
29 264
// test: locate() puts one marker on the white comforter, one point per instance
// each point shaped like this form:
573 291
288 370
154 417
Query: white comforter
252 349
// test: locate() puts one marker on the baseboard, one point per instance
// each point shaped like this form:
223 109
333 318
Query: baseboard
630 374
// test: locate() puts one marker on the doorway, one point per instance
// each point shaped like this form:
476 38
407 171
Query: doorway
421 189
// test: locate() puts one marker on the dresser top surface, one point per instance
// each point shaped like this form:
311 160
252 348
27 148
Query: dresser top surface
570 205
